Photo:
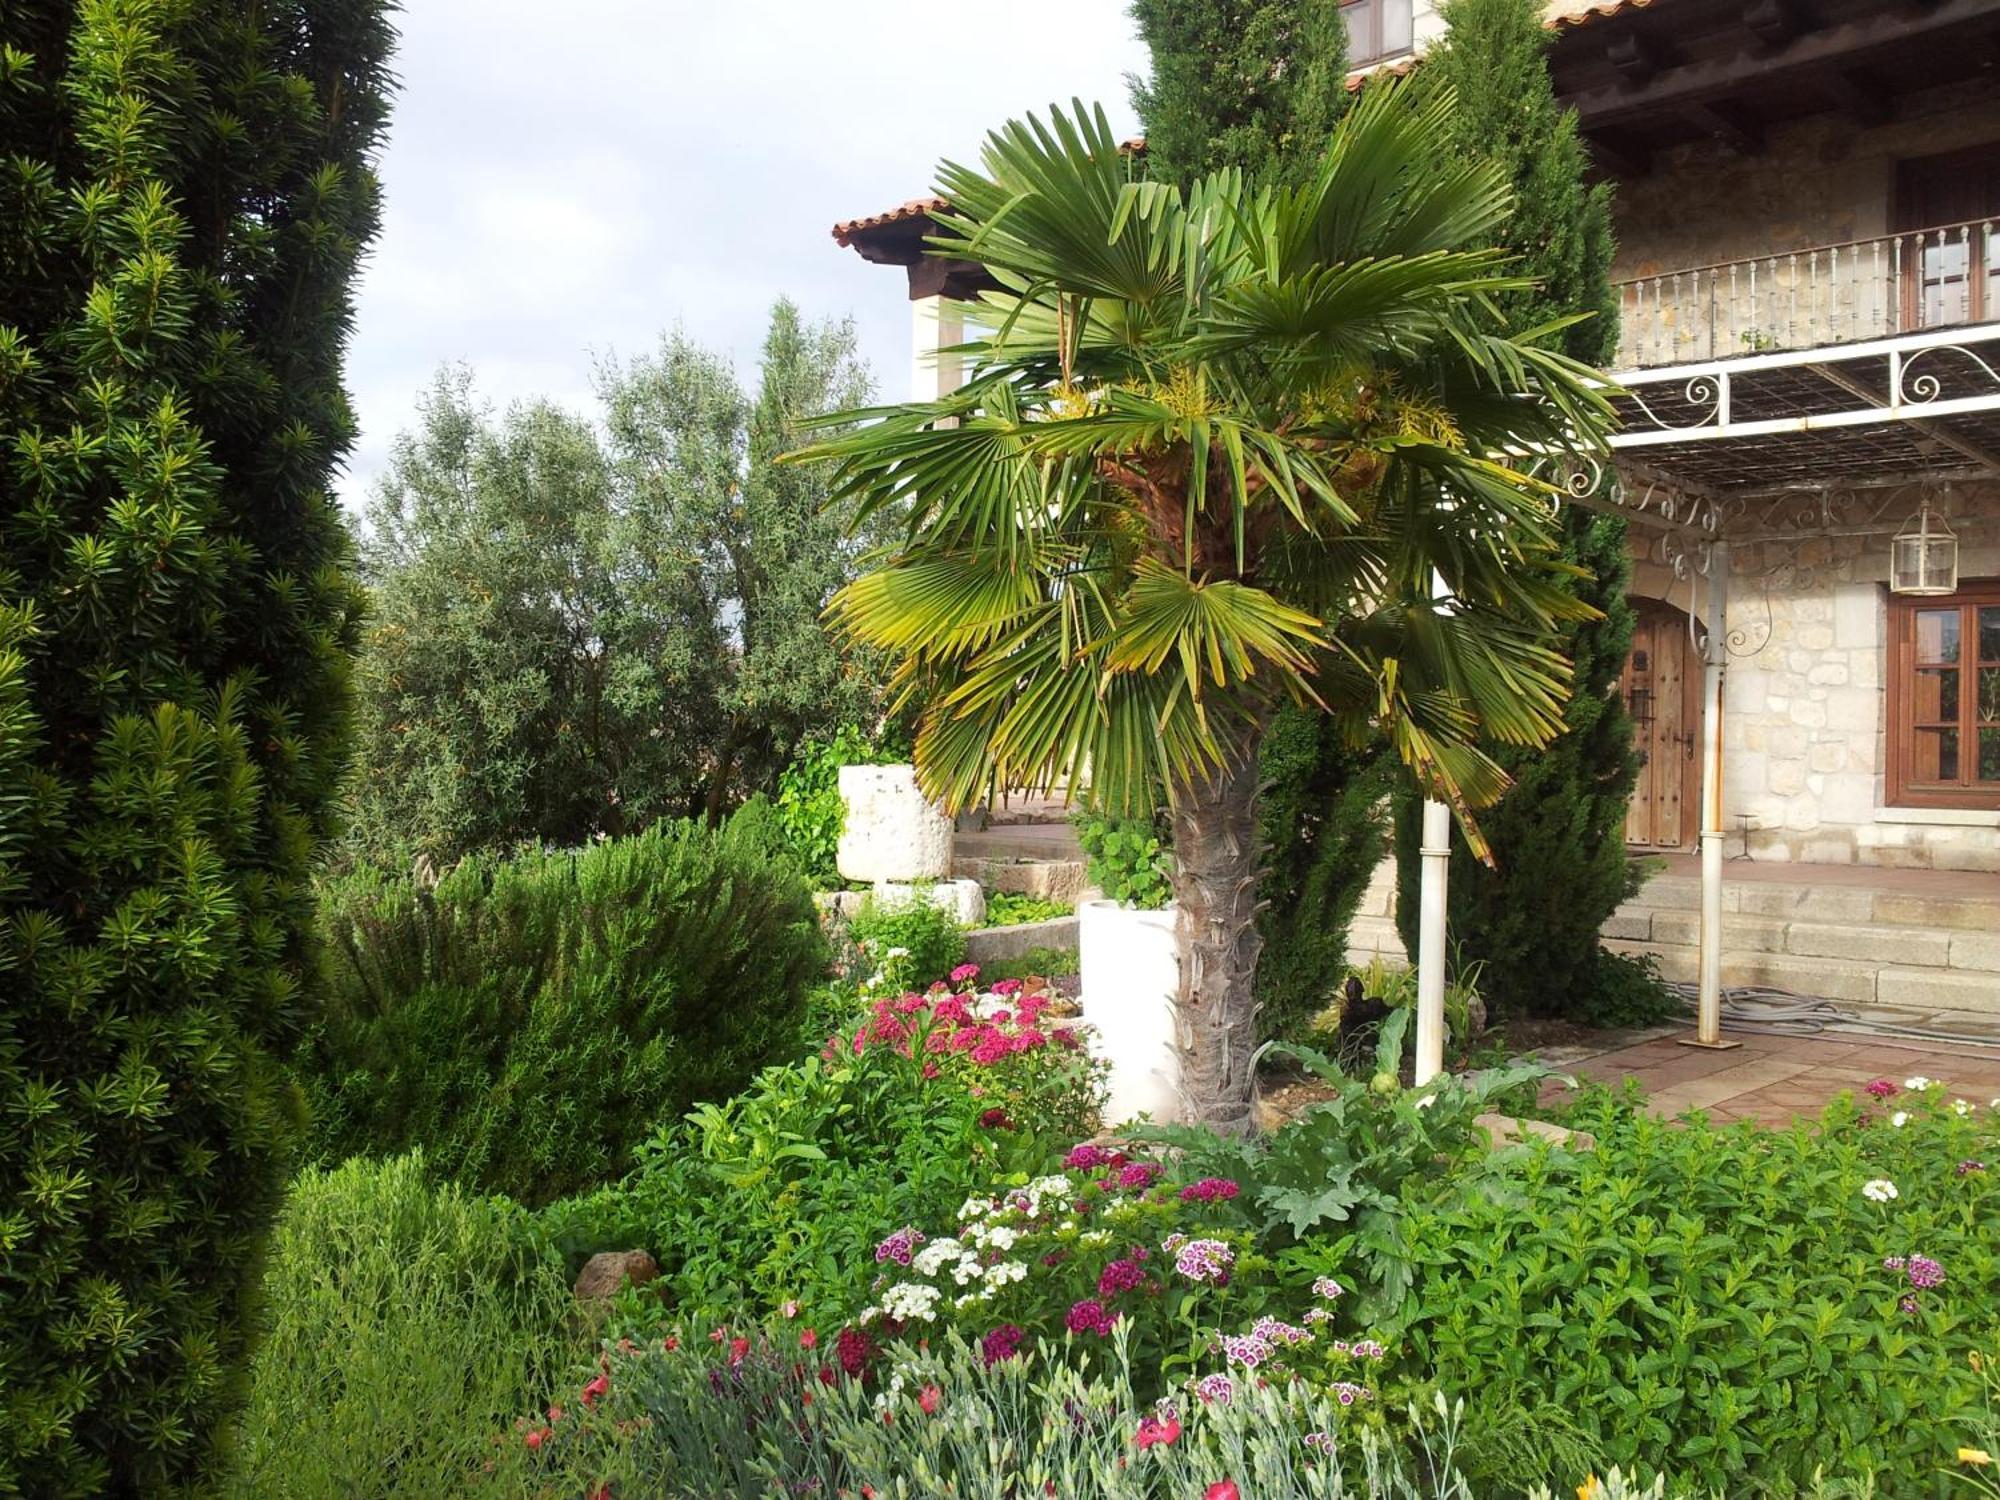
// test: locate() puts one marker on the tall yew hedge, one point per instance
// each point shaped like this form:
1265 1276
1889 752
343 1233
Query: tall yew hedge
185 192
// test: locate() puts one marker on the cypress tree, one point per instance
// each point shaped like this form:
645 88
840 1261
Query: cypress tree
1259 85
1560 867
1253 84
185 192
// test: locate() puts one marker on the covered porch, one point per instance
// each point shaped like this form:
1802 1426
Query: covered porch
1819 516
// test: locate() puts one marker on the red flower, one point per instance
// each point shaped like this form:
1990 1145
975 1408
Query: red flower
555 1415
808 1340
929 1398
536 1438
853 1348
595 1391
671 1342
1153 1430
737 1349
1222 1489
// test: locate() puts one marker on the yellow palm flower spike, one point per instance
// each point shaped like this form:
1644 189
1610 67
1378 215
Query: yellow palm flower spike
1590 1489
1979 1458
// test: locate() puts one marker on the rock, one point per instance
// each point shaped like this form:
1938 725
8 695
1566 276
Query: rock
1504 1130
610 1271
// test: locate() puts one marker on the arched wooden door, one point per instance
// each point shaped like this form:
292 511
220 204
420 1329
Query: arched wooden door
1662 688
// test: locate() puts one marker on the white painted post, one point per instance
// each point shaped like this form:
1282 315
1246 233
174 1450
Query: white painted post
1715 661
935 323
1436 852
1436 874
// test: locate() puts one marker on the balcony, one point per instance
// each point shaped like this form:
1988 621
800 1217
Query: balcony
1810 299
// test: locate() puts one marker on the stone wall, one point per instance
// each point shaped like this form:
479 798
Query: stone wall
1803 701
1824 180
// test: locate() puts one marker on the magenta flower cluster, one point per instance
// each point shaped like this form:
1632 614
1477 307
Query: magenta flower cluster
1002 1344
1123 1275
1088 1158
1208 1190
1091 1316
1202 1260
1923 1272
899 1246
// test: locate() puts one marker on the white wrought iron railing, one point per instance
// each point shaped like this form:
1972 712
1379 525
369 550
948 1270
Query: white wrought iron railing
1801 299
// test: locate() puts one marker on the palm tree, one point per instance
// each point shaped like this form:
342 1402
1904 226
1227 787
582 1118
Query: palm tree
1214 450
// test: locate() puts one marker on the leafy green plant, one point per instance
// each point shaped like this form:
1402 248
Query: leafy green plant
782 1193
531 1019
188 193
1010 908
1127 859
809 803
406 1324
1747 1306
905 945
1328 1191
1396 986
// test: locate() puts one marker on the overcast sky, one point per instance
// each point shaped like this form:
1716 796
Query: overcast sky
570 180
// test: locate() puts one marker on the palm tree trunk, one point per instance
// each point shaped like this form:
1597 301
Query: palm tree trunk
1220 858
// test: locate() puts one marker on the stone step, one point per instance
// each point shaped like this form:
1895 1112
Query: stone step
1864 982
1862 941
1824 903
1051 879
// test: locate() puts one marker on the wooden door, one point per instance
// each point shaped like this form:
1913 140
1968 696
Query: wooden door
1945 207
1662 690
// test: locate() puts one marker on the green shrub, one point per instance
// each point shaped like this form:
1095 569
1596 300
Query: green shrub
1729 1301
1044 963
909 945
406 1325
1128 859
188 190
1011 908
531 1019
1322 819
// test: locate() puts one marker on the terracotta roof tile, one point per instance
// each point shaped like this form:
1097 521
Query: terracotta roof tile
845 231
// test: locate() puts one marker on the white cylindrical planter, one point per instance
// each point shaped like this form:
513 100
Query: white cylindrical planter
891 831
1131 971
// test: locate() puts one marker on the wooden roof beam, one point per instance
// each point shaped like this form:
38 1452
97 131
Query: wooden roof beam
1729 124
1667 89
1860 94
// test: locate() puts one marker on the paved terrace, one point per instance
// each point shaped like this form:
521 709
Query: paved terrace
1774 1079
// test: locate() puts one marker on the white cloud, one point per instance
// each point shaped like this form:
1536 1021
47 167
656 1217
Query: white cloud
563 180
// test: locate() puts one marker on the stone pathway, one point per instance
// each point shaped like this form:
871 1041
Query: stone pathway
1775 1079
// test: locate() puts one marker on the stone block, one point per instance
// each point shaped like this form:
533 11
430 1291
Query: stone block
1808 714
962 898
1937 989
1857 618
1628 923
1976 950
1902 910
1828 979
990 945
1854 710
1828 674
1911 946
892 831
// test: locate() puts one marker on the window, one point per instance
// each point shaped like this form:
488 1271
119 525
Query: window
1376 30
1944 699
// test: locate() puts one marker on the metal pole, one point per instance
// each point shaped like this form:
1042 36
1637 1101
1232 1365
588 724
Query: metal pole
1715 659
1436 874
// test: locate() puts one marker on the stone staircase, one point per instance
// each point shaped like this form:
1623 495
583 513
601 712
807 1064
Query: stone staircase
1926 941
1934 947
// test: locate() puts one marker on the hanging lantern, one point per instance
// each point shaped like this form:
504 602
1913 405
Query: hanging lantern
1924 557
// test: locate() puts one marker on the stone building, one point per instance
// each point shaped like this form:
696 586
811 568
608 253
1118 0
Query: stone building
1808 211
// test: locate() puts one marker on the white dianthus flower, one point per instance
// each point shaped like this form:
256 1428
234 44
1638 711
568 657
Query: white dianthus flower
975 1208
1000 1238
931 1259
1879 1190
909 1301
1918 1082
1002 1272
